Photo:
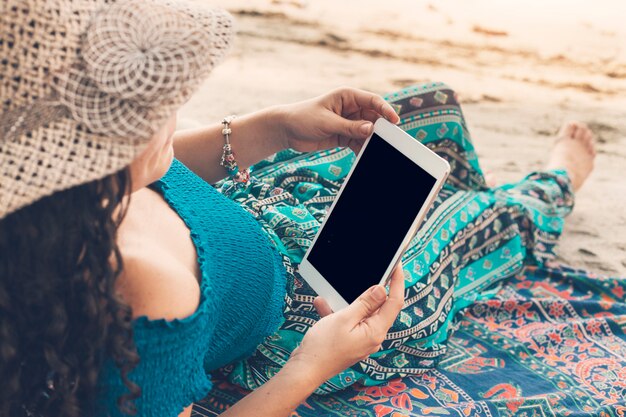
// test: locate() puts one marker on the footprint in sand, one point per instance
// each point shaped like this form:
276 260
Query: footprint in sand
587 252
489 32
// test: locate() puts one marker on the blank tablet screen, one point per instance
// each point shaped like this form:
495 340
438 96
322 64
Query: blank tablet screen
371 218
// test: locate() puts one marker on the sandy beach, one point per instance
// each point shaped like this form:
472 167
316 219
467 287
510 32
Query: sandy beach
521 69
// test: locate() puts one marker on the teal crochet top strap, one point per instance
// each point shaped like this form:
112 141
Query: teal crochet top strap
242 285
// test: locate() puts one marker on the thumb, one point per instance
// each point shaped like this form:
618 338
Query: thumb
366 304
354 129
322 306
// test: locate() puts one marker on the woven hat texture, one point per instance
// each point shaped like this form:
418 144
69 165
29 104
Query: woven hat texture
84 84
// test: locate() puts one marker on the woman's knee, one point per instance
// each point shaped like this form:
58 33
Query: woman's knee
423 96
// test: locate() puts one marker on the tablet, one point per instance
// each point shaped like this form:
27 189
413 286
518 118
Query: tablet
374 216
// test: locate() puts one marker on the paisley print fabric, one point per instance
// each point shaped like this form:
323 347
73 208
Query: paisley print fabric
551 342
472 239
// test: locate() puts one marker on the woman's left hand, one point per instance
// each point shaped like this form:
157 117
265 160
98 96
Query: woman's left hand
343 117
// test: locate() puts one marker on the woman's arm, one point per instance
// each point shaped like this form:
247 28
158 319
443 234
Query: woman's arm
343 117
334 343
254 137
279 396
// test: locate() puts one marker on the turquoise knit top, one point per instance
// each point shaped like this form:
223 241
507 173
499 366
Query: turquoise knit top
242 292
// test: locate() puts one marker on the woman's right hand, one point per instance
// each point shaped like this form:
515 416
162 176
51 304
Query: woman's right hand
341 339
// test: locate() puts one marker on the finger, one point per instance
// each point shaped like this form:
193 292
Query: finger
355 146
322 306
352 129
383 320
367 100
364 114
365 305
344 141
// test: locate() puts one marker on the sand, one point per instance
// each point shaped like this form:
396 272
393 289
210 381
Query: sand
521 69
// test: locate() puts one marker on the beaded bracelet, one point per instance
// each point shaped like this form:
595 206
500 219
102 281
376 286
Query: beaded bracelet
228 156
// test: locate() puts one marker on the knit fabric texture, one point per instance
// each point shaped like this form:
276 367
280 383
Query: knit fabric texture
242 285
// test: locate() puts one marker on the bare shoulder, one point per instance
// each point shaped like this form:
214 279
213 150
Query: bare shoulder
155 285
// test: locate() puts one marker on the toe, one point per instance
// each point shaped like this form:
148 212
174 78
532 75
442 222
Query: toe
591 140
568 129
581 132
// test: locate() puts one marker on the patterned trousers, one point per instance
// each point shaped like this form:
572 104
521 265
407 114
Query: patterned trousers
472 239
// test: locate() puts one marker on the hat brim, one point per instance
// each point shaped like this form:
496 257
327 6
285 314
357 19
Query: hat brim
83 146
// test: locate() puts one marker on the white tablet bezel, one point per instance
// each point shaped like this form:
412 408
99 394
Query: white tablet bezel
418 153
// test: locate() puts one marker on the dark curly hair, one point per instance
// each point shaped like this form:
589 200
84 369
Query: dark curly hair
60 317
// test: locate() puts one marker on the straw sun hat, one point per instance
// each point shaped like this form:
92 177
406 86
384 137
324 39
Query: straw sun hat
84 84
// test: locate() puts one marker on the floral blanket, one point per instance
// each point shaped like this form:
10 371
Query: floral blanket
551 343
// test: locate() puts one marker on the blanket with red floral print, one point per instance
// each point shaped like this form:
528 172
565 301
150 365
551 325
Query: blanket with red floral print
551 343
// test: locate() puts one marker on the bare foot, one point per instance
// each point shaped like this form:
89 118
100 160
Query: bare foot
574 151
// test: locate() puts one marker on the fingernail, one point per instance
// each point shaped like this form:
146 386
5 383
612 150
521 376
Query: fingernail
366 128
379 293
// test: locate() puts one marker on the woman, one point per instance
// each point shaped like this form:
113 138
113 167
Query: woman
125 277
